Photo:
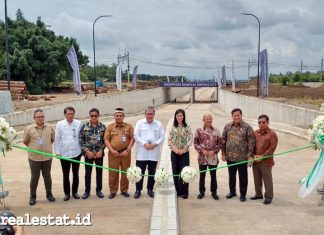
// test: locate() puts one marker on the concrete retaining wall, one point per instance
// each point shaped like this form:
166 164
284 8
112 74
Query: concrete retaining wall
6 102
277 112
132 102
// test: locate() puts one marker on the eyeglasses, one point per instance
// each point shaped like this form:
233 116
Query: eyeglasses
93 116
262 122
40 117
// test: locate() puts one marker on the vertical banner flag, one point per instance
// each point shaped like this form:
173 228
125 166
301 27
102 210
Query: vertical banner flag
233 77
219 82
118 77
134 77
264 73
224 76
73 59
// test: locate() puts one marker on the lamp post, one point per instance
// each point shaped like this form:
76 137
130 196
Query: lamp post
7 46
258 78
94 51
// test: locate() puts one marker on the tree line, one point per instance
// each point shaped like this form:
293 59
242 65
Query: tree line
295 77
37 56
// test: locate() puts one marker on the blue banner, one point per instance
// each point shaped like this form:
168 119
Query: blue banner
188 84
264 73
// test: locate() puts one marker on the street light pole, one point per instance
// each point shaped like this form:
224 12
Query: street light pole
258 78
94 52
7 46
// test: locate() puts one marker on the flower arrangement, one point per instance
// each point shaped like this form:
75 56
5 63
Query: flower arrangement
134 174
7 136
316 133
161 177
322 107
188 174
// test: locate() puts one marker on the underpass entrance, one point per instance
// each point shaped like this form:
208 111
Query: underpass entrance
201 92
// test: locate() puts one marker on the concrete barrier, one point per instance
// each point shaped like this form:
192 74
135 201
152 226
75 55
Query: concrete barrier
132 102
252 107
6 102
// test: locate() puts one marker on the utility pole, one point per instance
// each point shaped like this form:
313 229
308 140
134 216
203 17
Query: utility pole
7 46
249 70
321 71
122 59
301 67
128 67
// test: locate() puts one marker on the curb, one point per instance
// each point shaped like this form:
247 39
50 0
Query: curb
164 218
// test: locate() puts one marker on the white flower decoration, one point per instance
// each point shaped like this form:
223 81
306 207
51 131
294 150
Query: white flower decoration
188 174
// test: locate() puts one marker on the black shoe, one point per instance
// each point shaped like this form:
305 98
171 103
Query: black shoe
230 195
66 197
200 195
137 194
111 195
125 194
150 193
215 196
256 197
76 196
85 195
242 198
32 201
183 196
267 201
50 197
100 194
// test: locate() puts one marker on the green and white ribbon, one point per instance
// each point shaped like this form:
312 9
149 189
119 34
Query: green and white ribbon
317 173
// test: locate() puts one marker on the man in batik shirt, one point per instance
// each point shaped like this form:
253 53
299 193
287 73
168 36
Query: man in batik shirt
91 139
238 146
207 143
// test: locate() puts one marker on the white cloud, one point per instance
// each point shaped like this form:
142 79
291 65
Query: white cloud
187 32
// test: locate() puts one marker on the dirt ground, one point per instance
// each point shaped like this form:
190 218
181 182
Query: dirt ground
298 95
66 94
55 98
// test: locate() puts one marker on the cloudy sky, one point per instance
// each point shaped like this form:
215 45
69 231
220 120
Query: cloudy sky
200 34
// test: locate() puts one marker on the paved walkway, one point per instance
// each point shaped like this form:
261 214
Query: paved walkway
287 215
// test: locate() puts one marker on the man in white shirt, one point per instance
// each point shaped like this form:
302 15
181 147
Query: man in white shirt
149 136
67 145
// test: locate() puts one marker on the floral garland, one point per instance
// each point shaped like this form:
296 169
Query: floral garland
7 136
316 137
316 133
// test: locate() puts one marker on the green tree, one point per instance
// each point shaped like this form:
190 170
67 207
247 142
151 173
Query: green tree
37 55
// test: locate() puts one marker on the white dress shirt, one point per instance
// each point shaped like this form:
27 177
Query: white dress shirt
66 141
145 133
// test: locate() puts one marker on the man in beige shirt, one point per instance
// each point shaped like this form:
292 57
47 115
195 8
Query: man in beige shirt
39 136
119 139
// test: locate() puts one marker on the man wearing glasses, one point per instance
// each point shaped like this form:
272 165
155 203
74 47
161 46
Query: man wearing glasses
39 136
149 136
266 144
67 145
92 144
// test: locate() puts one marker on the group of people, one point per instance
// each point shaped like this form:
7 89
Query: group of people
238 144
72 139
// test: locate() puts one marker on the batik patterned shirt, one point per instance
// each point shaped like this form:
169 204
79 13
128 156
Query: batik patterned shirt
238 141
210 140
92 138
180 137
